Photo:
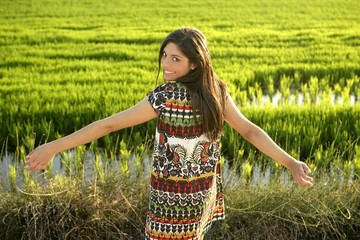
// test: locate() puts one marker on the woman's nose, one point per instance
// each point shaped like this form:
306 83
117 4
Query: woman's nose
165 62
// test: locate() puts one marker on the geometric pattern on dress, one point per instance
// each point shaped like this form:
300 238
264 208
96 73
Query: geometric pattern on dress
186 193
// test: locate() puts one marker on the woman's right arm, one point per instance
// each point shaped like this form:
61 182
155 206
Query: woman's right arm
261 140
42 155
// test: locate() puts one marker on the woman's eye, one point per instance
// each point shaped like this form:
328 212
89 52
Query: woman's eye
164 54
175 59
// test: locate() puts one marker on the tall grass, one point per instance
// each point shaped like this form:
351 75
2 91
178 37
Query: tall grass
64 65
292 67
112 205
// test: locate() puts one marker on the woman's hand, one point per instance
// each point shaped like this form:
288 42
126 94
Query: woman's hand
40 157
300 171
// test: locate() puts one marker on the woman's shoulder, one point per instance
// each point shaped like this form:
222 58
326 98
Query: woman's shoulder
172 86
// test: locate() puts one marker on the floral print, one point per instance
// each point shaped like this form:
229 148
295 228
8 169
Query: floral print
185 183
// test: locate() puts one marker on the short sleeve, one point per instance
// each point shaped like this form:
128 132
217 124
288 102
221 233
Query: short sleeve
157 98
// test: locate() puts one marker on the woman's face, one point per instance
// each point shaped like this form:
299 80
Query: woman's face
175 64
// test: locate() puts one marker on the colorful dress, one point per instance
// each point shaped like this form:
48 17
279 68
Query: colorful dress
185 183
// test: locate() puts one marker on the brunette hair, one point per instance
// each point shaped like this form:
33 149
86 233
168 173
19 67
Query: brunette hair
208 93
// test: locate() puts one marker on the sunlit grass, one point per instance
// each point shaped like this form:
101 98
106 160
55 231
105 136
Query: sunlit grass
292 67
112 204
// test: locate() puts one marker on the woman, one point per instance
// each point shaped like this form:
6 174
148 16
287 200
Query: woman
191 107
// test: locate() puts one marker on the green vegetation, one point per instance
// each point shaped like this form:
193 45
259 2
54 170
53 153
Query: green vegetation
65 65
293 67
94 198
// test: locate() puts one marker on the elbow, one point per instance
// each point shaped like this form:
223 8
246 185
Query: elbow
104 127
108 128
247 135
251 133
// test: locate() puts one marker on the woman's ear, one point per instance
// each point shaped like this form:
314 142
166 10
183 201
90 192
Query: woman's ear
192 67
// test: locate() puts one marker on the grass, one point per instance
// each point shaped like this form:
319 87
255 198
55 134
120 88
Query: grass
96 199
87 60
115 208
64 64
278 212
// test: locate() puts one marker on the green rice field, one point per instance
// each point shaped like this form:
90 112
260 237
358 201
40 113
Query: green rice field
292 67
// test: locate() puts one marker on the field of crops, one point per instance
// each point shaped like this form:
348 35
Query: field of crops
292 66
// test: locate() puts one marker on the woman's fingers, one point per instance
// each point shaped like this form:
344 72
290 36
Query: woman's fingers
306 182
29 161
35 165
306 172
300 174
38 159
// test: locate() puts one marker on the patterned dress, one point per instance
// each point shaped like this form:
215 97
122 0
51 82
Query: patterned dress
185 184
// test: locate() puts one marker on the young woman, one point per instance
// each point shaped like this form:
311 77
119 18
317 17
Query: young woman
191 107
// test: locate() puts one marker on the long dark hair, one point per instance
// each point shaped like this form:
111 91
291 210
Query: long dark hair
207 91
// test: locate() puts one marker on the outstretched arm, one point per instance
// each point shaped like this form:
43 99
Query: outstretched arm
42 155
261 140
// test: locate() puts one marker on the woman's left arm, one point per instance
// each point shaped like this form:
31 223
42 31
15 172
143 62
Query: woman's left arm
261 140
